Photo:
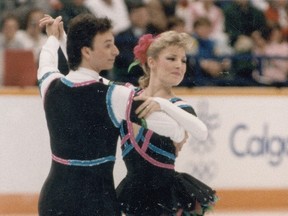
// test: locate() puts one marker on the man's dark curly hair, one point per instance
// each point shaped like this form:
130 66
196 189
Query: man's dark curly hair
81 31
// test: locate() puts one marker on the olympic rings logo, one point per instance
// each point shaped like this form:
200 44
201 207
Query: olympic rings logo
205 171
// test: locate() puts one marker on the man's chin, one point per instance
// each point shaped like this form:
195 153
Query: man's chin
107 68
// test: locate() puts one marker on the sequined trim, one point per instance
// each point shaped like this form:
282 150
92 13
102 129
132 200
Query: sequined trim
109 106
84 163
161 152
127 147
40 81
75 85
179 102
174 99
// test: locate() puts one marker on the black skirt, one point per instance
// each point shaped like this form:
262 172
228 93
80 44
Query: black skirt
179 193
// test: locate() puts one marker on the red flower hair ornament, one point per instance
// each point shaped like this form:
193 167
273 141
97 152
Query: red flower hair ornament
140 50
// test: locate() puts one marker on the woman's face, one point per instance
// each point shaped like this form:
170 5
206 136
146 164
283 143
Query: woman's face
170 66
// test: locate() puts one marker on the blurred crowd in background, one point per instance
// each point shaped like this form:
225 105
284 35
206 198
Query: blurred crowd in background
236 42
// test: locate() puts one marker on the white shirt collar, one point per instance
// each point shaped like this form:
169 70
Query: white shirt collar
82 75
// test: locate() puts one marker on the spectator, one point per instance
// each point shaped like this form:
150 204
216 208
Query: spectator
176 23
274 70
208 68
277 14
9 38
259 41
169 7
21 7
242 62
160 11
69 9
209 9
205 8
223 3
242 18
127 40
115 10
158 18
32 37
260 4
182 10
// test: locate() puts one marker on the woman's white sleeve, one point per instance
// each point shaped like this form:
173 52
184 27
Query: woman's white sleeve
193 125
159 122
164 125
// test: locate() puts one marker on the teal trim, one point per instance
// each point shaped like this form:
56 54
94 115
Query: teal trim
67 82
91 162
162 152
109 106
127 149
40 81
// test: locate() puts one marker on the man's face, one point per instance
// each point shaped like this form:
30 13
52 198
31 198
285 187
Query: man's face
103 52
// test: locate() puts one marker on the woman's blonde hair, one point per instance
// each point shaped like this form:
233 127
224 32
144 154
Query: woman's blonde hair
162 41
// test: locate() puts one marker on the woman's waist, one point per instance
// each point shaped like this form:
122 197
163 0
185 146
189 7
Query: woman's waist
148 172
149 179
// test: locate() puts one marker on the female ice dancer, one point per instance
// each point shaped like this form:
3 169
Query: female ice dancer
152 187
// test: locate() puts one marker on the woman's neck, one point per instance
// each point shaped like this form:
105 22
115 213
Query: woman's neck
158 91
